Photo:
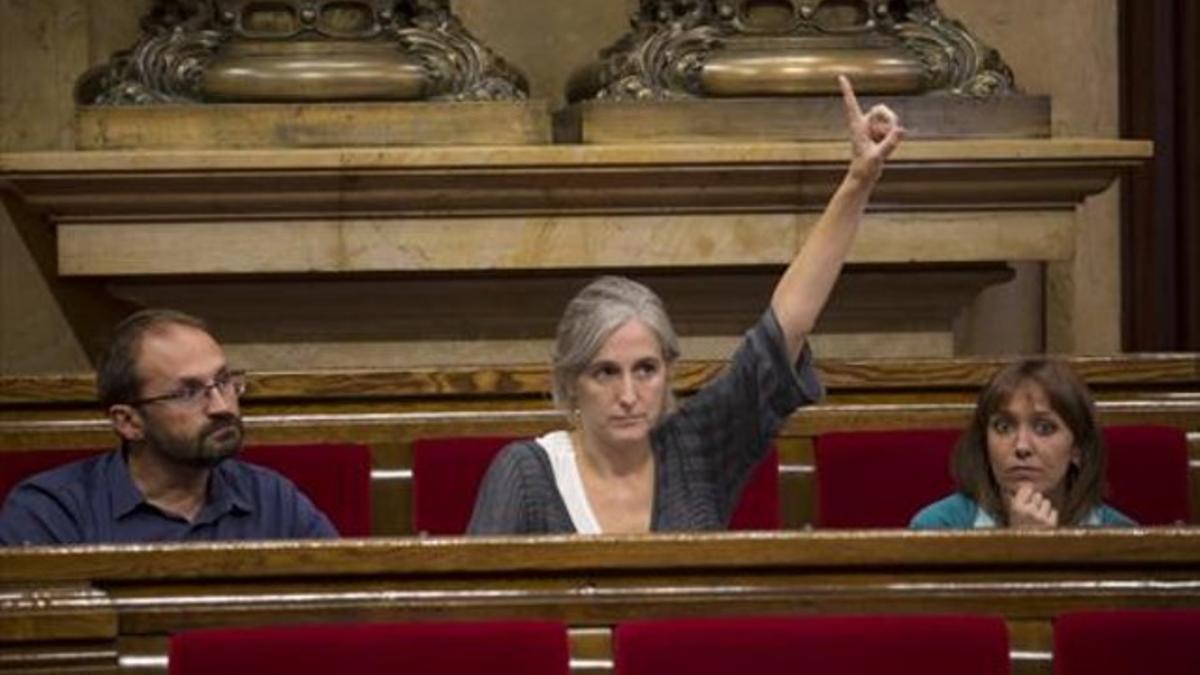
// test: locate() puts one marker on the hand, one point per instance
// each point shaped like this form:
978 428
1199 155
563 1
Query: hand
1029 508
873 136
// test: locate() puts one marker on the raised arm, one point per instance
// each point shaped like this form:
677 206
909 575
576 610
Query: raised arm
804 288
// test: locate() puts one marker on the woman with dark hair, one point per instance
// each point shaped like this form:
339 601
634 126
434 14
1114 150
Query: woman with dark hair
1032 457
631 460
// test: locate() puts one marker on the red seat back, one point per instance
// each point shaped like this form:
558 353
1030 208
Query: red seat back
17 466
1127 642
758 508
1148 473
880 478
447 473
336 476
816 645
528 647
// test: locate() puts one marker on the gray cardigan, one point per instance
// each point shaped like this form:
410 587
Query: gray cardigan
705 450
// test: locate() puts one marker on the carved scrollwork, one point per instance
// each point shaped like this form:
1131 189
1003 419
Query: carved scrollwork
660 59
165 66
957 61
671 41
459 66
182 40
664 65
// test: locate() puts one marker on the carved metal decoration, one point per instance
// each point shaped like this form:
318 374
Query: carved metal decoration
704 48
957 61
194 51
462 68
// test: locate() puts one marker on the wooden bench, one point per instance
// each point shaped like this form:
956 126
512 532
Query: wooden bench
96 608
389 409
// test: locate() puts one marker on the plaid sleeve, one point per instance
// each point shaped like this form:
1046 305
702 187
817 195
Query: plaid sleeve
518 495
721 433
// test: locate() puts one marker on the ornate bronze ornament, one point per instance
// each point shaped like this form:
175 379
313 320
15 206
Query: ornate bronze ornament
714 48
194 51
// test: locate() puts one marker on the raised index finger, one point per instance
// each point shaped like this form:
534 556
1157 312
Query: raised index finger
853 111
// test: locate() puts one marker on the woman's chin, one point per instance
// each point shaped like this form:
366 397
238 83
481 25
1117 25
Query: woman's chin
1011 488
629 435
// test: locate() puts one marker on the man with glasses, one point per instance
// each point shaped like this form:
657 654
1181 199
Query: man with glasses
173 402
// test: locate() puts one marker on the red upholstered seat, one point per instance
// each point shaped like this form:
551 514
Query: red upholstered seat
1127 642
527 647
882 478
447 473
17 466
814 645
1148 473
335 476
758 508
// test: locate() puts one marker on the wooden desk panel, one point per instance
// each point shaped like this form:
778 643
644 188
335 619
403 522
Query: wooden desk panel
146 592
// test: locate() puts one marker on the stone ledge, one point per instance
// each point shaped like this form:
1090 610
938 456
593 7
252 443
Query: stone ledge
796 119
311 125
97 187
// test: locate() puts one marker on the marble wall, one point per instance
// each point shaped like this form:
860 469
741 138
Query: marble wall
1066 49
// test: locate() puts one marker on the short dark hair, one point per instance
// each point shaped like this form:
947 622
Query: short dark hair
1071 400
117 379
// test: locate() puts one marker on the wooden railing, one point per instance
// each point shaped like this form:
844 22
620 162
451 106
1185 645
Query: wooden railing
389 409
103 607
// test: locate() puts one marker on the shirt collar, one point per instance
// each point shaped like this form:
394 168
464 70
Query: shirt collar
123 494
226 493
983 519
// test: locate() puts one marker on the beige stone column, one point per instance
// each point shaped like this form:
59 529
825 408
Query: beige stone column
1068 50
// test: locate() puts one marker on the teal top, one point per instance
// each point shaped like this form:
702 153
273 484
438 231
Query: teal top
958 511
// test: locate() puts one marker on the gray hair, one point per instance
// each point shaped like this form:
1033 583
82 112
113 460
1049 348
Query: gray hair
592 316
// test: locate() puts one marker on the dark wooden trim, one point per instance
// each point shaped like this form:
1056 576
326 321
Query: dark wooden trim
672 555
1160 86
89 609
1142 372
1188 253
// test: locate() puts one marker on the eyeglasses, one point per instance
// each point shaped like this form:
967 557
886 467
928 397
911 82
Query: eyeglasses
194 395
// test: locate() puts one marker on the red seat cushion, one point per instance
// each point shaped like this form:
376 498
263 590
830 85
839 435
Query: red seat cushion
881 478
825 645
528 647
1148 473
1127 642
336 476
447 473
759 508
17 466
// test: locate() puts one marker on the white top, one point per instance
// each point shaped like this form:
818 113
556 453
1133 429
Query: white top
983 519
561 452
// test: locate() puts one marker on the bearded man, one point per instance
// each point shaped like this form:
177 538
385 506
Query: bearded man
173 402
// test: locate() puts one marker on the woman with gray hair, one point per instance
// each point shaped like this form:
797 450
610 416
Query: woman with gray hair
633 461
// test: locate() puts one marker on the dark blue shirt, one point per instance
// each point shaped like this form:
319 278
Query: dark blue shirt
95 501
